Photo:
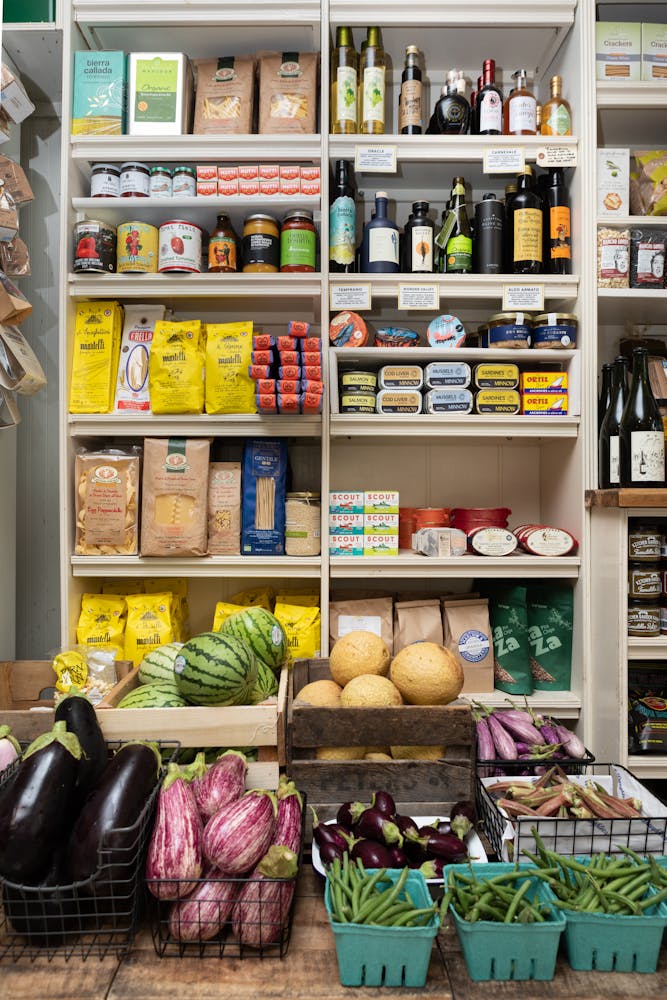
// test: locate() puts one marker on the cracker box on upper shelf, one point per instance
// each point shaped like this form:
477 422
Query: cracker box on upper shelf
618 50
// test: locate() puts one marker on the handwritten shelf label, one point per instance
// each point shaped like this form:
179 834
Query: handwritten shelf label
375 159
504 160
350 297
418 297
556 156
523 297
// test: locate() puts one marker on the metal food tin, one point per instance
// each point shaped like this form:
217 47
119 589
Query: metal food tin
358 381
136 248
358 402
555 330
94 247
180 246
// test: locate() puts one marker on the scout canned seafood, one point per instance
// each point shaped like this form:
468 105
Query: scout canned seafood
94 247
180 246
136 248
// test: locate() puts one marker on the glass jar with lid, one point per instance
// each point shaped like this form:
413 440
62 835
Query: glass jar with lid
261 244
298 241
161 184
105 180
302 524
135 180
184 182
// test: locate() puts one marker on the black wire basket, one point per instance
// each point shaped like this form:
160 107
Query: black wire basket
498 768
95 917
646 834
208 922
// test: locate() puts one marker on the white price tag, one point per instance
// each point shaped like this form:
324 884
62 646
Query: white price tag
418 297
356 297
556 156
523 297
504 160
375 159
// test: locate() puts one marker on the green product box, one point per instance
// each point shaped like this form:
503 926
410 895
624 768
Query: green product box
98 99
28 11
618 50
654 52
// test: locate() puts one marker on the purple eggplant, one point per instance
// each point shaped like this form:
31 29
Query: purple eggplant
443 826
374 826
384 803
175 850
205 912
80 717
550 734
324 833
349 813
289 821
398 858
45 914
441 845
570 742
485 746
518 727
261 911
222 783
239 835
371 854
502 741
462 818
405 823
329 852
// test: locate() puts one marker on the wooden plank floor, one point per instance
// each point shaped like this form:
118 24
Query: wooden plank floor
309 972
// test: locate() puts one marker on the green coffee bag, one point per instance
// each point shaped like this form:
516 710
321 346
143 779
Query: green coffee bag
550 619
508 614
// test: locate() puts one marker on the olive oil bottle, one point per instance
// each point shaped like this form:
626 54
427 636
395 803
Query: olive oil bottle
373 84
343 79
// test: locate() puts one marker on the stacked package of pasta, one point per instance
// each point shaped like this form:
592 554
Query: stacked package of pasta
287 371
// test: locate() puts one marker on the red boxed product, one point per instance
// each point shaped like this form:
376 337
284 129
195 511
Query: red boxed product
289 385
228 173
259 371
249 172
207 172
289 371
287 343
262 342
266 402
266 385
262 357
289 357
311 358
288 402
298 328
313 372
311 402
269 187
228 189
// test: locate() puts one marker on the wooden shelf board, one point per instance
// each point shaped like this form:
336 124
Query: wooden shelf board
627 498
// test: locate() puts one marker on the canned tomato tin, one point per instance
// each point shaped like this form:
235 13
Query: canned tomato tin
94 247
136 248
135 180
105 181
644 543
180 246
643 619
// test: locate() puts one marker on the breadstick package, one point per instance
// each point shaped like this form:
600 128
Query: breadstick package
175 489
225 93
107 502
287 92
263 507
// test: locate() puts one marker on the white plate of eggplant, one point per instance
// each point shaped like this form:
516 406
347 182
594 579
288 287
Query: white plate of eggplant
382 838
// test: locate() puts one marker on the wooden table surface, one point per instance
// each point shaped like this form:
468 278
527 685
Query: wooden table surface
309 972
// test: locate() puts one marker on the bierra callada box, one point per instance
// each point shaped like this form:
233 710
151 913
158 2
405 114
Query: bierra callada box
98 93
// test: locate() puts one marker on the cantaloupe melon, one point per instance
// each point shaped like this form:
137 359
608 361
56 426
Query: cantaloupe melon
427 674
417 753
324 694
358 652
377 756
370 691
340 753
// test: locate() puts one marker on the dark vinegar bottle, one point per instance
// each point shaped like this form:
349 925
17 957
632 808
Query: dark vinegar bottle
558 224
527 222
642 437
605 392
609 473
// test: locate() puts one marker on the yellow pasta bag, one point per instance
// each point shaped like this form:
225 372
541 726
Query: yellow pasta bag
95 353
123 586
223 611
302 627
253 598
148 625
180 612
229 388
102 622
303 600
176 367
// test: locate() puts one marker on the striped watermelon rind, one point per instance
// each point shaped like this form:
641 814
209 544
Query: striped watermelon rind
216 669
160 694
262 632
266 685
158 665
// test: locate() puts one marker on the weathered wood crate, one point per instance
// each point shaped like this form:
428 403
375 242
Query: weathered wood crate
260 726
418 786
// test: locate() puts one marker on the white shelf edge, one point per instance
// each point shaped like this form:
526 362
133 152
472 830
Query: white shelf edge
143 206
222 425
195 12
192 285
463 148
458 13
624 221
633 94
384 354
651 766
486 286
207 566
203 148
461 567
647 649
632 293
561 704
467 425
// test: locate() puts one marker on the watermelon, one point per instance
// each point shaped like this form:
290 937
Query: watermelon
160 694
158 665
262 632
266 685
216 669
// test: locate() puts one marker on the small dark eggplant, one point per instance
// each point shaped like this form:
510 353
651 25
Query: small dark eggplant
371 854
349 813
462 818
442 845
104 838
324 833
36 812
405 823
374 826
329 853
78 714
443 826
398 858
384 803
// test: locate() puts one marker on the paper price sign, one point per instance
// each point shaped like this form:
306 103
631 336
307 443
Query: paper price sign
556 156
375 159
418 297
356 297
504 160
523 297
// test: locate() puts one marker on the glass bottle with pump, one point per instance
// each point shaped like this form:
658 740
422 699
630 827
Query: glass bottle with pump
372 79
560 244
520 111
410 98
609 475
452 111
343 80
489 103
342 220
459 240
380 245
641 433
527 222
556 113
419 240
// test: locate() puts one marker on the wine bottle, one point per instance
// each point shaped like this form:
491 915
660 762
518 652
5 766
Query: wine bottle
373 84
343 78
489 103
641 433
606 384
520 111
609 475
560 246
380 245
459 242
419 240
410 98
527 222
342 220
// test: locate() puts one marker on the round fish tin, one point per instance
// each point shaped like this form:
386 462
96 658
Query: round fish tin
136 248
446 331
180 246
94 247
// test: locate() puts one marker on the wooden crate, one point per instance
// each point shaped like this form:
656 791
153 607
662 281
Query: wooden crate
21 685
260 726
419 787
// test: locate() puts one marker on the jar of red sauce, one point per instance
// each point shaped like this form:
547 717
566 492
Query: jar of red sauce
298 241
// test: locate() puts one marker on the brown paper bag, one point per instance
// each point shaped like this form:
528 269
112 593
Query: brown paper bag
468 636
372 614
417 621
175 488
19 368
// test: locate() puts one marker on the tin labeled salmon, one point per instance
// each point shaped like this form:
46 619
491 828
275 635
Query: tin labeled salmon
136 248
180 246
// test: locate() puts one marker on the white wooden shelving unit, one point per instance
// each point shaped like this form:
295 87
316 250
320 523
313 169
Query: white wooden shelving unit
538 467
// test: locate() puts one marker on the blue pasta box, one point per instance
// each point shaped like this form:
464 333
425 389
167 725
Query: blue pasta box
98 97
263 497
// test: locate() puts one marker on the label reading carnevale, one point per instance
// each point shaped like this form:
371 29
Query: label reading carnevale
647 456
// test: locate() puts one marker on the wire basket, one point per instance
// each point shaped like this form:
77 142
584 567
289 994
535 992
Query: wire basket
208 923
646 834
94 917
497 768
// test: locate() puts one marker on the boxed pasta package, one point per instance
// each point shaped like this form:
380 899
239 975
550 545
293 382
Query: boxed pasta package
175 488
263 507
225 95
106 502
287 92
224 508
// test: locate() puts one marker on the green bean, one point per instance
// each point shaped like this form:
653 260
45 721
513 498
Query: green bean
412 915
388 897
512 908
338 903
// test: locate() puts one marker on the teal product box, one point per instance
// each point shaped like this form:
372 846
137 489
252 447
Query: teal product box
346 502
346 545
342 523
98 93
654 52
